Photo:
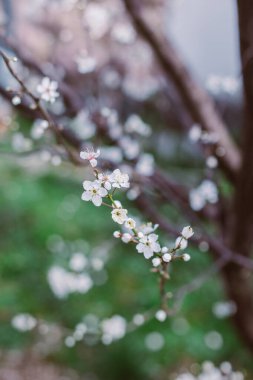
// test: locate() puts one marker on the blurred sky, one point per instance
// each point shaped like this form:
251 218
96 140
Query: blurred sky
206 33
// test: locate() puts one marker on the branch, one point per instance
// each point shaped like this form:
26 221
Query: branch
196 100
217 247
237 280
58 131
70 96
243 224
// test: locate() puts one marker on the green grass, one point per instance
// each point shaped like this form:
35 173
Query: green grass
41 208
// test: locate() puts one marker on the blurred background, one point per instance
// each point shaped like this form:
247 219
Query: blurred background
62 275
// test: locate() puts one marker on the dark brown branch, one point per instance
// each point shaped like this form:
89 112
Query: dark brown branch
243 223
196 100
237 280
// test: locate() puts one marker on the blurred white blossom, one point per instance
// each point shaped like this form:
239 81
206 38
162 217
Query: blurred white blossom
23 322
48 90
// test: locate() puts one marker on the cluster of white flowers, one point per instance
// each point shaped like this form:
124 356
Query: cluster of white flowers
48 90
20 143
38 128
196 134
23 322
224 309
91 156
63 282
210 372
206 192
123 33
135 124
86 64
16 100
96 19
91 328
227 85
103 189
125 137
113 328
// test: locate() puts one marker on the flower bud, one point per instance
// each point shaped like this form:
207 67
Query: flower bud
187 232
186 257
167 257
156 261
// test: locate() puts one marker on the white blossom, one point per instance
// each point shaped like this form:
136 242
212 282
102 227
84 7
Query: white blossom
119 215
126 238
148 245
85 63
123 33
130 224
186 257
209 138
211 162
119 179
93 192
130 147
161 315
224 309
78 262
187 232
226 84
135 124
114 327
117 204
209 191
147 228
111 78
91 156
195 133
210 372
167 257
69 341
197 201
156 261
145 165
97 20
23 322
117 234
63 282
48 90
104 179
38 128
138 319
83 125
20 143
206 192
181 243
16 100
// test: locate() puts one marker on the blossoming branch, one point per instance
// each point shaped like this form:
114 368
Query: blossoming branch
144 237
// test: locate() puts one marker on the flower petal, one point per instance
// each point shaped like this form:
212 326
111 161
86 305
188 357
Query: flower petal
147 253
87 185
97 200
102 192
86 196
